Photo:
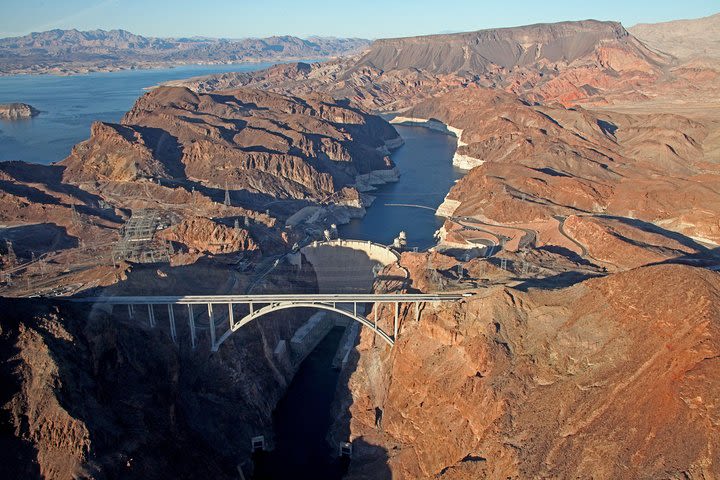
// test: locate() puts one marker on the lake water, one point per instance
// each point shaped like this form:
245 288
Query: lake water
426 175
70 104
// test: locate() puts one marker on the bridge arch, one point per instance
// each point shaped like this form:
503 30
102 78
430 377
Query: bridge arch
275 307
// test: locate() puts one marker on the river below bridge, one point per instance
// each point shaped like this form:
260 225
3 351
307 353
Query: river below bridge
302 418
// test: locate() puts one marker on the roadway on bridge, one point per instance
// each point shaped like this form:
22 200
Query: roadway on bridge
279 298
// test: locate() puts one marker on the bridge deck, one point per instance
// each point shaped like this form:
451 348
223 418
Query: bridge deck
269 298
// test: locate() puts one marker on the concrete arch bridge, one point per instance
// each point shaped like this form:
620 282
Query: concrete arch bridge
221 309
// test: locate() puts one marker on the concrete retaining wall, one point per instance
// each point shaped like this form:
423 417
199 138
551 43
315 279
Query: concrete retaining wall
309 335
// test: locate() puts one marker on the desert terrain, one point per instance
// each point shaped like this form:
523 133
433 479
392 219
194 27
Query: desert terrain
584 234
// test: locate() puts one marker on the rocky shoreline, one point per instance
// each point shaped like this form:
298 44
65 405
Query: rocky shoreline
461 161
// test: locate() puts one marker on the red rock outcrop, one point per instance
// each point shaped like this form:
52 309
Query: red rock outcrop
206 236
615 377
249 140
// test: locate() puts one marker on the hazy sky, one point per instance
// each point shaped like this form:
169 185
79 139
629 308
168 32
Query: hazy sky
357 18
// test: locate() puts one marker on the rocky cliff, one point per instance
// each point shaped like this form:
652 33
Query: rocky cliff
614 377
252 141
91 394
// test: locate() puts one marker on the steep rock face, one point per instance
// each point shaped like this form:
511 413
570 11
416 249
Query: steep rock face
548 384
250 140
89 395
204 235
114 152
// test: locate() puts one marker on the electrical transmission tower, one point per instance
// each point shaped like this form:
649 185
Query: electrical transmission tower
227 201
12 258
75 215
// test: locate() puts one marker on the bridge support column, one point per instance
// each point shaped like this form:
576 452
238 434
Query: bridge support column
211 317
417 311
191 323
151 315
130 311
395 323
171 316
375 310
231 317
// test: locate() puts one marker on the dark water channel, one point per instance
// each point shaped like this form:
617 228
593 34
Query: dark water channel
302 420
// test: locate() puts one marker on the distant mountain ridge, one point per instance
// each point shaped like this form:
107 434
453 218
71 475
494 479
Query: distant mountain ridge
564 62
507 48
685 39
68 51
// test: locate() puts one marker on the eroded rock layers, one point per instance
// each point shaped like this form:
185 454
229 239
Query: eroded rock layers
614 377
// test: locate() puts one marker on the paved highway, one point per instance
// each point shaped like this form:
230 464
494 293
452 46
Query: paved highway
280 298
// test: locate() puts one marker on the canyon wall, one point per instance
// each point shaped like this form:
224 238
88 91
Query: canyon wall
615 377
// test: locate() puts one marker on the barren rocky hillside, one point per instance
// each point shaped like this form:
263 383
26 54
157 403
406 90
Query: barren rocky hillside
534 163
565 62
258 142
615 377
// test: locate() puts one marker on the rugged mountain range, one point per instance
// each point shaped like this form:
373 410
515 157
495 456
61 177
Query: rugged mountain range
68 51
565 62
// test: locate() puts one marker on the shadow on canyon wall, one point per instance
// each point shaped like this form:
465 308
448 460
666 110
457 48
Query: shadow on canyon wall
369 461
123 401
17 455
37 239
